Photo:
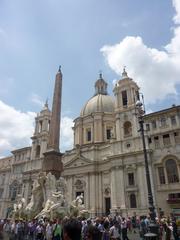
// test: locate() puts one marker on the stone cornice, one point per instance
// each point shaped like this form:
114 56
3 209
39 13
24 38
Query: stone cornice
164 111
21 150
135 153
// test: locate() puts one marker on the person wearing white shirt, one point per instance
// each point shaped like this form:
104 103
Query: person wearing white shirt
115 231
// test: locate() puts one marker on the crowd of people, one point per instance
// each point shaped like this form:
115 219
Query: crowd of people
99 228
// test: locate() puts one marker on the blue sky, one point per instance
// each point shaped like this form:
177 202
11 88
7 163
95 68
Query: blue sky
84 36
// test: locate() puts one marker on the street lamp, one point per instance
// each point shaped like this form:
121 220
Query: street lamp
140 113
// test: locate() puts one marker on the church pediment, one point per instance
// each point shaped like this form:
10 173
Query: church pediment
78 161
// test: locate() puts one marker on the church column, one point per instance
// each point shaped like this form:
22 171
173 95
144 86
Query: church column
86 192
121 202
70 196
80 132
45 125
98 129
92 193
36 126
100 194
43 145
142 186
113 190
97 192
118 127
117 189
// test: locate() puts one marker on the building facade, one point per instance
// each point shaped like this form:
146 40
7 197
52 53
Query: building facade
106 163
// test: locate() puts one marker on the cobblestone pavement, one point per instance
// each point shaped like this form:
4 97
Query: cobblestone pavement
133 235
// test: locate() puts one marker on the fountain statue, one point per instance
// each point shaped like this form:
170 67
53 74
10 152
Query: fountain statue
77 207
48 200
18 208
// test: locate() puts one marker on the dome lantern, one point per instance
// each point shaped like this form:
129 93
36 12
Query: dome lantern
100 86
101 101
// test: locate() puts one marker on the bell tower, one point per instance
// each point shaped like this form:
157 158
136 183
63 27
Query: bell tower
126 93
52 157
41 133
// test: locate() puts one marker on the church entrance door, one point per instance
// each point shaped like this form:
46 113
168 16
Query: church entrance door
107 205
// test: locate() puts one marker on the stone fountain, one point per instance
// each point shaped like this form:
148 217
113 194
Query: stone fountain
48 200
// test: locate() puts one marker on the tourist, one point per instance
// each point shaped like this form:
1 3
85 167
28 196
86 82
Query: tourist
168 229
115 231
14 230
72 229
1 229
6 229
129 224
57 230
40 231
147 221
49 231
134 224
20 230
32 229
124 229
143 228
94 233
175 229
106 233
85 227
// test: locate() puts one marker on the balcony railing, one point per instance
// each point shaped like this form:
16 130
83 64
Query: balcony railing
173 200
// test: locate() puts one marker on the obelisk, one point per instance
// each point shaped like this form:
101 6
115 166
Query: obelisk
52 157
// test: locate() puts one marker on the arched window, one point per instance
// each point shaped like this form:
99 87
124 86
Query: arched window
13 191
40 126
127 129
132 199
38 149
171 169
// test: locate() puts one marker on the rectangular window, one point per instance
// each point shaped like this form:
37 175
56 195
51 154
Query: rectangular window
3 179
40 126
131 179
173 120
124 98
88 135
108 133
156 141
174 196
166 140
1 192
154 124
147 127
163 122
176 137
161 175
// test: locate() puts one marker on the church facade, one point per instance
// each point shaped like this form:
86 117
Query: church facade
106 163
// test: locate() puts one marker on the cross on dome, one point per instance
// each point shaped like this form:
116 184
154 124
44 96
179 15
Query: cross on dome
124 73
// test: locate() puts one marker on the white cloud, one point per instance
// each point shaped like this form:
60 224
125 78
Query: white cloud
156 72
176 4
114 81
66 141
16 127
37 100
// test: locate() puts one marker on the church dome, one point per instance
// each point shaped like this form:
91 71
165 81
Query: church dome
101 101
98 103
